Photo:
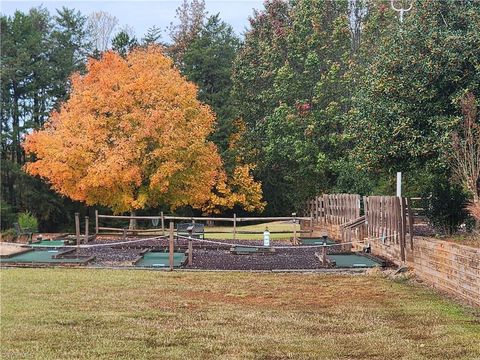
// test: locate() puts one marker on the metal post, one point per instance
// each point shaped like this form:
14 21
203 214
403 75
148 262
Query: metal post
86 230
170 247
399 184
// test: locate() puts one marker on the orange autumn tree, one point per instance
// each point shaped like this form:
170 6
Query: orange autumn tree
133 135
239 187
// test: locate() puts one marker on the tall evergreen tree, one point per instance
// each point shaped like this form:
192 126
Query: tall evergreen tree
291 84
208 62
153 36
38 53
123 43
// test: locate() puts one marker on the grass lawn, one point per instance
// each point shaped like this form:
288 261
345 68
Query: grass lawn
272 226
114 314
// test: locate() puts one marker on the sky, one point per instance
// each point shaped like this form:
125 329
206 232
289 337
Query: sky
141 15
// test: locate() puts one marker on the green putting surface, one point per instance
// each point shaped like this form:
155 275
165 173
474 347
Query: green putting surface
40 256
353 261
161 259
316 241
49 243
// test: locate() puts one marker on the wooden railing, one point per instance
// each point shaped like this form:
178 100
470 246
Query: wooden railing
162 219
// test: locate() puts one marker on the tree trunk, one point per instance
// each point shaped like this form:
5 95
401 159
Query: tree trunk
133 222
476 204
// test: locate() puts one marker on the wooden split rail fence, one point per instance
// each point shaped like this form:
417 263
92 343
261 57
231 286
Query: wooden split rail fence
162 219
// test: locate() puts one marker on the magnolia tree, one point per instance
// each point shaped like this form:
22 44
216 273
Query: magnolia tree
133 135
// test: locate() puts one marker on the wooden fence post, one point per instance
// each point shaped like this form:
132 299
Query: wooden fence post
324 255
410 222
77 228
398 214
311 225
163 223
234 226
190 252
403 227
170 247
96 223
295 241
86 229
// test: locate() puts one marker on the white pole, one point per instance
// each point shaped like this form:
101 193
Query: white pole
399 184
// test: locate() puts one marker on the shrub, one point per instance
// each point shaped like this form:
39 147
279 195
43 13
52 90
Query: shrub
27 221
445 207
8 235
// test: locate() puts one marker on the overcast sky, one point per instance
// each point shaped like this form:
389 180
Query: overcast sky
140 15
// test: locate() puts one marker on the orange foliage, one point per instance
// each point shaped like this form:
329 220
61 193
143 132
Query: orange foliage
239 187
132 135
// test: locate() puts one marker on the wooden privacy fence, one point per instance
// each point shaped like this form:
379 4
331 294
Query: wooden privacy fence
388 219
162 219
335 209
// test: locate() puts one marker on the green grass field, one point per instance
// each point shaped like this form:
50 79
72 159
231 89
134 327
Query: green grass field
272 227
112 314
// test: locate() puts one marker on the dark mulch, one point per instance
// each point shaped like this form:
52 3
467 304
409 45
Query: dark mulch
210 256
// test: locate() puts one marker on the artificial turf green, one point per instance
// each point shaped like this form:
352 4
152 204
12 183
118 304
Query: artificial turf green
49 243
161 259
316 241
353 260
39 256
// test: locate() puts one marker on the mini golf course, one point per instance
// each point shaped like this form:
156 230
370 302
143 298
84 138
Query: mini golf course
354 261
250 250
45 258
160 259
316 241
227 255
49 243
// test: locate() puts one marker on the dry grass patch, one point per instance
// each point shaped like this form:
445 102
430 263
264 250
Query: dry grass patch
105 314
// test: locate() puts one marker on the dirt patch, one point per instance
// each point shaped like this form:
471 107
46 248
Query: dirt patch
9 249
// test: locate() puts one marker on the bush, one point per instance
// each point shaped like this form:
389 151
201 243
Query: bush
8 235
445 207
27 221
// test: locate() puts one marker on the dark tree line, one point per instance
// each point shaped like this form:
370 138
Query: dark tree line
39 52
